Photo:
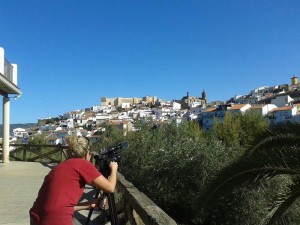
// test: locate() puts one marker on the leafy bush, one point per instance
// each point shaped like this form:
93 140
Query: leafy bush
171 164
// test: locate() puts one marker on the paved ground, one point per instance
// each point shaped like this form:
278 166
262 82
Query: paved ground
19 185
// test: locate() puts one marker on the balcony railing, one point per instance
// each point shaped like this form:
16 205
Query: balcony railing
8 70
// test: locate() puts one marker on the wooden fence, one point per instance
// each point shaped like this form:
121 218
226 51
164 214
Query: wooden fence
37 153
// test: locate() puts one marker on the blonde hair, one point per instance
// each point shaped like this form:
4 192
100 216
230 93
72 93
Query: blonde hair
77 146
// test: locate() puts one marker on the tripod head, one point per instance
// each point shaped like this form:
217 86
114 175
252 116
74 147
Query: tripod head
112 154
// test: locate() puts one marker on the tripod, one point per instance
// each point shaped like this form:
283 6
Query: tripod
112 208
102 161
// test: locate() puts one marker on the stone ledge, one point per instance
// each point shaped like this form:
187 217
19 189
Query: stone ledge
141 209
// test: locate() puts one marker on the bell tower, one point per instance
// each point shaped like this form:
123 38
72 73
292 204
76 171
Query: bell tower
204 96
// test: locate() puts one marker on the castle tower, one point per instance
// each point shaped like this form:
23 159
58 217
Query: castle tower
294 80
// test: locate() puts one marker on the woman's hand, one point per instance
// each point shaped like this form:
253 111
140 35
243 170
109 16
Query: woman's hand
95 203
109 184
113 166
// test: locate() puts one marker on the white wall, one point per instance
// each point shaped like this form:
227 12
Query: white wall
2 60
281 100
267 108
176 105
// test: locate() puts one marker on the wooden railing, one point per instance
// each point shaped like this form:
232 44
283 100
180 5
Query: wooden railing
137 208
37 153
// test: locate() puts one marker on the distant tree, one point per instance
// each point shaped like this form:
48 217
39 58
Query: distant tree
119 109
88 127
109 137
238 131
38 139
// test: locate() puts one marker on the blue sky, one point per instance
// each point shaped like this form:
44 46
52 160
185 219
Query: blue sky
71 53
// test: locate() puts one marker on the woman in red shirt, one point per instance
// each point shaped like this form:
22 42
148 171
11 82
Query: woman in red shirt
63 186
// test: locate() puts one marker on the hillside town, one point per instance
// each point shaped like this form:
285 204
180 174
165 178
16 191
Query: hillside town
277 104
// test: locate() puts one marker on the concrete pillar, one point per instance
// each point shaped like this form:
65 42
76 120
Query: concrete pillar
5 140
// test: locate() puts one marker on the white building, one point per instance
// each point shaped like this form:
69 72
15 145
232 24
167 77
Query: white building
207 118
125 105
162 111
96 108
176 106
102 117
108 109
283 113
263 109
144 113
196 110
259 90
282 100
47 127
123 115
239 108
20 132
87 118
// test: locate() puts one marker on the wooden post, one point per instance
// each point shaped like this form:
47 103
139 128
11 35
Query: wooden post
24 153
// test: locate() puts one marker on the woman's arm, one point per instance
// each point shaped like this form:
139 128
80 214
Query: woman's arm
107 185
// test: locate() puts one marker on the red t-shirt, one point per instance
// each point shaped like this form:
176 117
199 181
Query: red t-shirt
61 191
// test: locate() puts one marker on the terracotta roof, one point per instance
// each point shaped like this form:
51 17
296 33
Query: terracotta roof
87 115
161 122
94 136
210 109
52 137
238 106
268 94
111 122
256 107
61 131
283 108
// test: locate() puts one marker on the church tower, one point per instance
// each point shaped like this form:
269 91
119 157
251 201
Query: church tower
204 96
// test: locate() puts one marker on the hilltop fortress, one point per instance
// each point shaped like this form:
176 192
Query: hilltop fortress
120 102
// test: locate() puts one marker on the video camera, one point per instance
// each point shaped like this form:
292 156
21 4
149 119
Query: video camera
112 154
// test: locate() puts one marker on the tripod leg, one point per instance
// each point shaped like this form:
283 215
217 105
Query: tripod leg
92 209
112 209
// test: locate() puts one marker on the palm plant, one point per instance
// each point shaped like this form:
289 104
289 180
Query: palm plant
276 153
